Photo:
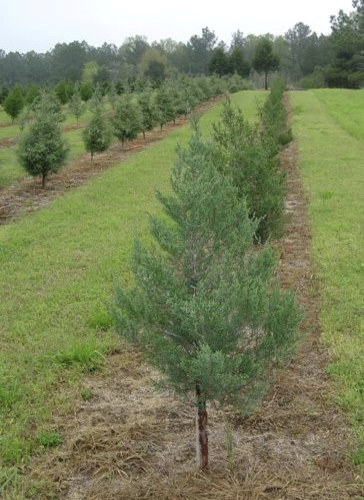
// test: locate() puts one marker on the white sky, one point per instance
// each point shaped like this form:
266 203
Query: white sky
39 24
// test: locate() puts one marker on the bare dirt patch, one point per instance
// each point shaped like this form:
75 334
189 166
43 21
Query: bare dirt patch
27 195
130 442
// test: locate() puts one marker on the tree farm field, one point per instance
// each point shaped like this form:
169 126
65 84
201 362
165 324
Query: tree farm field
62 261
58 269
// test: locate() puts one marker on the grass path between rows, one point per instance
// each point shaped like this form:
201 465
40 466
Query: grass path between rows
56 276
331 160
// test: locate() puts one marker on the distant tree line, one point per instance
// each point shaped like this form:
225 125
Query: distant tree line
336 60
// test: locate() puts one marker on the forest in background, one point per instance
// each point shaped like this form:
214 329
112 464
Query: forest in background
306 59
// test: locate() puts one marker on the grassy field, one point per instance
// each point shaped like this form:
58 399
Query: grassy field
61 261
329 127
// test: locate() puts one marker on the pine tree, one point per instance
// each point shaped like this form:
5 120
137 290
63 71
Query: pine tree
32 94
42 149
127 120
14 102
264 60
249 161
97 135
76 105
165 106
238 63
149 114
203 307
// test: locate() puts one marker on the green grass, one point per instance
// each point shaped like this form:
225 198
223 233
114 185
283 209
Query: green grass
346 107
331 159
10 170
56 277
4 117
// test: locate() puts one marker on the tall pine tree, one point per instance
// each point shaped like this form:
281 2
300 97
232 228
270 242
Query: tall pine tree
203 308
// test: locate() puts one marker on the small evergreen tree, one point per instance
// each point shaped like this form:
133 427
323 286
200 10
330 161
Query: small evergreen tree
127 120
264 60
97 135
14 102
203 307
165 106
86 91
249 161
48 102
76 105
62 91
32 94
42 149
149 114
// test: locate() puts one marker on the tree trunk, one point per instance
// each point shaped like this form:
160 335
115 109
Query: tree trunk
266 80
202 448
143 134
92 156
43 180
161 126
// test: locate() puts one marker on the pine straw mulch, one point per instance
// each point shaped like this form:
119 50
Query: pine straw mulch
130 442
27 195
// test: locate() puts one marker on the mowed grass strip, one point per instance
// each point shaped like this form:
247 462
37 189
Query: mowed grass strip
56 277
331 160
346 107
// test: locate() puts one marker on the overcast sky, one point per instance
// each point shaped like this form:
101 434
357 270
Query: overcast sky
39 24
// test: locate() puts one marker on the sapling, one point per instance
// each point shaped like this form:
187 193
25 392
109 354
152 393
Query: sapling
42 149
204 307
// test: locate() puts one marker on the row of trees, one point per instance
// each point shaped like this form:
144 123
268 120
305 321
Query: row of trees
43 150
141 112
16 99
334 60
204 307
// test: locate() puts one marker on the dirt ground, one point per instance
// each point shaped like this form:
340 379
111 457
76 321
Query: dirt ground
129 442
27 195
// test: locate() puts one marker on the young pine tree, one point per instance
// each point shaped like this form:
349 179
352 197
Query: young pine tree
97 135
203 307
165 105
14 102
127 120
149 113
42 149
76 105
242 154
32 94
